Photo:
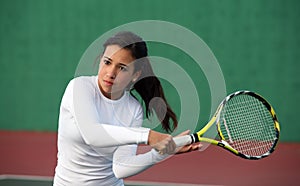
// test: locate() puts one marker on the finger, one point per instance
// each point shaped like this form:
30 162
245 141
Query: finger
198 146
168 145
172 146
184 133
160 147
189 148
194 147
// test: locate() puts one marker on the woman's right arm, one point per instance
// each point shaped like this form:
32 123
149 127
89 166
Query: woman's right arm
79 100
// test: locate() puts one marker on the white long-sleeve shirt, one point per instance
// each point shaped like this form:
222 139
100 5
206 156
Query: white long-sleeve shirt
98 137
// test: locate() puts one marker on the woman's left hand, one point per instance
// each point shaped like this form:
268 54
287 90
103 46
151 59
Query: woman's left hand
187 148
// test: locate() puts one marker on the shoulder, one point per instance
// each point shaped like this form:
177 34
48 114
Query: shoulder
83 82
135 105
133 100
79 89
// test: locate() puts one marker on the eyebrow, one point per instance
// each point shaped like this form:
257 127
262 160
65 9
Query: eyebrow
122 64
108 58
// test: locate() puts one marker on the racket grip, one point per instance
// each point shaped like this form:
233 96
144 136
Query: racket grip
183 140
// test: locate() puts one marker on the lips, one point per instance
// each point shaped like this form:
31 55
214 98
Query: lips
108 83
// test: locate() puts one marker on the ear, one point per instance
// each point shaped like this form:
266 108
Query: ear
136 76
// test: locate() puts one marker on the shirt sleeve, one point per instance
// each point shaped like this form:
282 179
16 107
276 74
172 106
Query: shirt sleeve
79 100
126 163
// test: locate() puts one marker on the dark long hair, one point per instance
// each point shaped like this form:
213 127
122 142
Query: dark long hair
148 85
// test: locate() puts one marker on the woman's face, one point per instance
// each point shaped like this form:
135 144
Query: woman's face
116 71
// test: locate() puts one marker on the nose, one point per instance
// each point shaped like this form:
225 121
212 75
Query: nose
111 72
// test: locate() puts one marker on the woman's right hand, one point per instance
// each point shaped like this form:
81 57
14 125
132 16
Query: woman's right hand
163 143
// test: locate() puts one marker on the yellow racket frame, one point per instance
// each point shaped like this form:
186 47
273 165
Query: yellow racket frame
222 143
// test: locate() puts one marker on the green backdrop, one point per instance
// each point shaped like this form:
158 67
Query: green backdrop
41 42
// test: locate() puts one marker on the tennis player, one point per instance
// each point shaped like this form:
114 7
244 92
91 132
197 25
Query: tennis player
100 121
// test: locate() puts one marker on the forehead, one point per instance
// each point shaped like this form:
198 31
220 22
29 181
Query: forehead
118 54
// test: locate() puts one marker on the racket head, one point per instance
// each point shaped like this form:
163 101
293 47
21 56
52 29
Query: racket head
247 125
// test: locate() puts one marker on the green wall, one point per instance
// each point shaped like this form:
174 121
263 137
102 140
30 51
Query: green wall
41 42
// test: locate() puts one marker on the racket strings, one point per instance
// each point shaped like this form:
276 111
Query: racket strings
247 125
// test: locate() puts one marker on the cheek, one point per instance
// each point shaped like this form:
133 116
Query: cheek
101 71
123 78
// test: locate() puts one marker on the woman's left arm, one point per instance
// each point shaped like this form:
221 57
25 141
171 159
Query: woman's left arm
126 163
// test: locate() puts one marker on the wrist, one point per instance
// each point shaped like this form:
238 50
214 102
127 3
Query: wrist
151 137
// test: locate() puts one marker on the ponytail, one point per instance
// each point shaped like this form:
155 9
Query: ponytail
150 90
148 85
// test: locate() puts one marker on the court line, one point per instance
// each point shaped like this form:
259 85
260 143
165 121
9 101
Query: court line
146 183
25 177
126 182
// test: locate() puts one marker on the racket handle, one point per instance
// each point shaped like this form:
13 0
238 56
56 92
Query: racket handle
183 140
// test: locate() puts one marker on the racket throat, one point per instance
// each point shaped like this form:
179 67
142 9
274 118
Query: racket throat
194 138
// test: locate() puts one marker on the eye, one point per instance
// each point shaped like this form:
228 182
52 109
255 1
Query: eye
123 68
106 62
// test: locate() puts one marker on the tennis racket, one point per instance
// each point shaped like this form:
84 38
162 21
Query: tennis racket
247 126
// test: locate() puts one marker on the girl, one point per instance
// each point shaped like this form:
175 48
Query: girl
100 121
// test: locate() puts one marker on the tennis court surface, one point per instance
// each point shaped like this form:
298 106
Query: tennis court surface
29 158
18 180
